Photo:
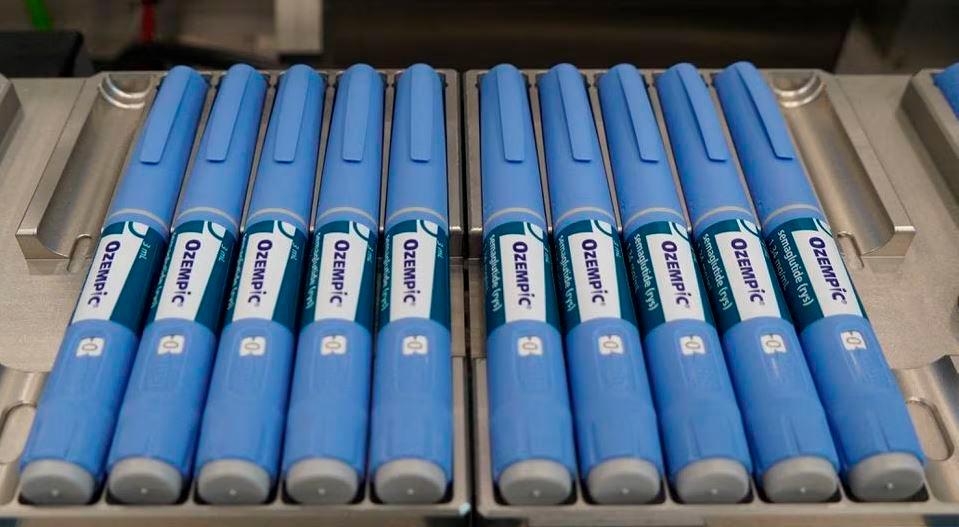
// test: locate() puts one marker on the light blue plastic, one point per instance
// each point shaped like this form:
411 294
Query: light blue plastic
530 416
81 398
948 82
613 406
329 402
246 407
782 413
411 414
696 404
161 410
863 401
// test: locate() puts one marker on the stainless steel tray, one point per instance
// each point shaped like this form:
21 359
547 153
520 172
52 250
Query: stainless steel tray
899 238
56 180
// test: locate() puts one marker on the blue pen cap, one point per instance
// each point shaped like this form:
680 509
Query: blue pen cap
512 189
948 82
221 170
772 168
574 161
287 166
417 184
354 150
711 183
644 180
153 176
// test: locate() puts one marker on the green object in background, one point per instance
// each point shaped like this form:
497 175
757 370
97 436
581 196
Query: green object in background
39 16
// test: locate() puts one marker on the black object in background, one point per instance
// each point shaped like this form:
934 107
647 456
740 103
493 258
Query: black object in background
43 54
589 33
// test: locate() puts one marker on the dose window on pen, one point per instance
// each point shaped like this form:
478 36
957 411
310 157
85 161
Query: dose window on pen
773 343
529 346
170 345
853 340
252 347
610 345
333 345
692 345
90 347
416 345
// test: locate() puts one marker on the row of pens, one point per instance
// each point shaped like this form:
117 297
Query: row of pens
709 355
709 351
212 387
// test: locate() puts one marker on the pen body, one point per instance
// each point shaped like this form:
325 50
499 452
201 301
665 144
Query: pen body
329 401
612 402
783 416
78 409
530 417
163 403
863 401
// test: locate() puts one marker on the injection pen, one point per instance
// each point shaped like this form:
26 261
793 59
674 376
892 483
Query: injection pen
617 437
880 453
324 454
152 452
411 429
703 437
531 425
242 429
65 452
789 437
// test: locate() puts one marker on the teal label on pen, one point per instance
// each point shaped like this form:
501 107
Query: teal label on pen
195 275
519 276
737 274
125 263
665 277
266 285
342 274
814 277
593 274
416 273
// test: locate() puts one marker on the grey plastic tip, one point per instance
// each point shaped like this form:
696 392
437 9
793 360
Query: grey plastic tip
719 480
233 482
410 481
624 480
321 481
535 482
54 482
800 479
145 481
886 477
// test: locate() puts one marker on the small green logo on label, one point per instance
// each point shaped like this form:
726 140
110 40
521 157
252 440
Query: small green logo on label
416 274
342 270
665 277
121 275
266 285
519 276
737 274
808 263
193 283
593 274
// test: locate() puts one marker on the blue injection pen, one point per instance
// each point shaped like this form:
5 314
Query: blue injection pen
411 427
703 436
617 438
64 457
324 453
153 446
242 429
880 453
531 426
791 446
